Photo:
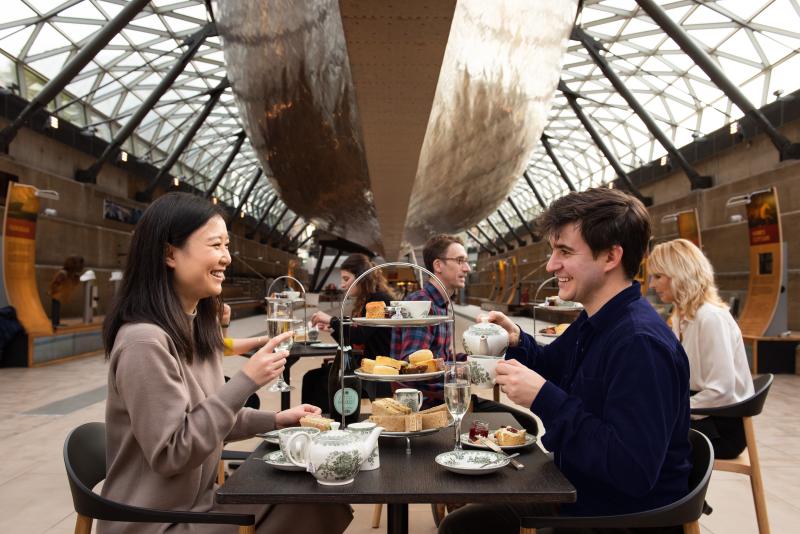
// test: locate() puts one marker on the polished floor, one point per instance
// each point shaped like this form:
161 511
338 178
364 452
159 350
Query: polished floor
38 407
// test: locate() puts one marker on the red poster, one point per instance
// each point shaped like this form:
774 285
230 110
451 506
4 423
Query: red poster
762 218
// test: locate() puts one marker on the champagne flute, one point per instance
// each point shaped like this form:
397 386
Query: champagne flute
280 321
457 394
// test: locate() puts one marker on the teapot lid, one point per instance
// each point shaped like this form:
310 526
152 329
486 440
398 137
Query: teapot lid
485 328
335 436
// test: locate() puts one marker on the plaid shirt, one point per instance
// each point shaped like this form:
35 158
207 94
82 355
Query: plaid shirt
436 338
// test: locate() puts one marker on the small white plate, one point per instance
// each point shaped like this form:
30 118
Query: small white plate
270 437
278 461
560 307
420 321
472 462
321 345
529 440
398 378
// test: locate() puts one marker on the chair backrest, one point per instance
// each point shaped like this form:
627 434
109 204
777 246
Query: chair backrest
85 460
749 407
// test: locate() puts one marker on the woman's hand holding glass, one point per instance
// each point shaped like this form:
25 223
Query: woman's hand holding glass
266 365
291 417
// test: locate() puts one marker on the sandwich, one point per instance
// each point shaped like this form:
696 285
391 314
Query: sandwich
389 406
316 421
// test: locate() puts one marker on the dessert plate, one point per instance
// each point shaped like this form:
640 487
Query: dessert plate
543 333
529 440
472 462
270 437
277 460
321 345
560 307
398 378
419 321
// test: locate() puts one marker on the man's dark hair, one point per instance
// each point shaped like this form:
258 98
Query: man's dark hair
436 248
147 294
605 217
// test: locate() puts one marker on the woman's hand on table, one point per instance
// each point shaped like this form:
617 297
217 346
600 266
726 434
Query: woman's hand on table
508 325
266 365
291 417
321 320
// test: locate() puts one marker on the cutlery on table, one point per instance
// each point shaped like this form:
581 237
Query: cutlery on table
516 463
498 460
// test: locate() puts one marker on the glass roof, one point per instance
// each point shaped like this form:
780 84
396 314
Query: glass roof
755 43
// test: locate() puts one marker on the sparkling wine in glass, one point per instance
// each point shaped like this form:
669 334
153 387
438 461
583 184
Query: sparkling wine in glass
457 394
276 326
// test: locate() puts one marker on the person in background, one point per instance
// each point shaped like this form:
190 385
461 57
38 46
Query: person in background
612 390
237 346
374 287
718 370
169 410
63 285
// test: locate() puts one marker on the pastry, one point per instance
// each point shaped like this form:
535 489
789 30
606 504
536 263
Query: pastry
560 328
434 419
316 421
367 365
413 422
412 369
420 356
384 370
389 362
390 423
508 435
375 310
389 406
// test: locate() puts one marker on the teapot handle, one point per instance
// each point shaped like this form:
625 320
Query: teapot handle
291 448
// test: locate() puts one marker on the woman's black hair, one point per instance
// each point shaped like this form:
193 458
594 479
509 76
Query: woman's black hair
147 294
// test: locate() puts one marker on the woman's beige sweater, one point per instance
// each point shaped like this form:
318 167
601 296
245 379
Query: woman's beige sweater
166 421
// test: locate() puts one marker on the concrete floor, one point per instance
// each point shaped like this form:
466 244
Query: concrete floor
38 407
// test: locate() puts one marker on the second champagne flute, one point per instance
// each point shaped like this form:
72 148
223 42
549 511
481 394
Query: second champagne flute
277 324
457 394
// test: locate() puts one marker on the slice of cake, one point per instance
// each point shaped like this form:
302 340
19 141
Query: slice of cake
375 310
389 362
508 435
389 406
390 423
384 370
367 365
316 421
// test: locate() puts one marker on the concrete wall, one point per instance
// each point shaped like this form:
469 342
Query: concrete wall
79 227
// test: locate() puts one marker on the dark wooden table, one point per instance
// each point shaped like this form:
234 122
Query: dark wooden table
404 479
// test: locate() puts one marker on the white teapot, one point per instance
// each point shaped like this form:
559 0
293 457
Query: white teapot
485 339
333 457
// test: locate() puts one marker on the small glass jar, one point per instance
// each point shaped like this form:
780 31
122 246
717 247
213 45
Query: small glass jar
478 428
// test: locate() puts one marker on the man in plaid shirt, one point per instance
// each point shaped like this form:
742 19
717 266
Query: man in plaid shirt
446 257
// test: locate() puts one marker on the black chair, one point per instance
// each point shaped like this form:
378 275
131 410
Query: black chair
85 460
747 463
686 511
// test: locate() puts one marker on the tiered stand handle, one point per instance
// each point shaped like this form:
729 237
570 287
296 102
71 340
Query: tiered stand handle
346 353
303 289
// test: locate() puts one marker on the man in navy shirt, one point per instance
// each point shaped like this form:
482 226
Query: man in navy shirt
613 389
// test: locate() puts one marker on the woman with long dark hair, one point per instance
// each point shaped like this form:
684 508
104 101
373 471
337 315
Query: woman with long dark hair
169 410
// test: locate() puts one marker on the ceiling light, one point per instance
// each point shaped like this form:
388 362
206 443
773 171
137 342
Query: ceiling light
663 161
734 128
214 200
54 122
241 215
123 156
176 182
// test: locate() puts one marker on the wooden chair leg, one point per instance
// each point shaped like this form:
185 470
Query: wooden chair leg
221 473
247 529
756 482
527 530
83 525
692 528
376 515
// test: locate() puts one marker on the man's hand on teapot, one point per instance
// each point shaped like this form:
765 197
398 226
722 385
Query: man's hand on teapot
508 325
321 320
291 417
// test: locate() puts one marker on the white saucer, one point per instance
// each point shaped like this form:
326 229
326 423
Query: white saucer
278 461
472 462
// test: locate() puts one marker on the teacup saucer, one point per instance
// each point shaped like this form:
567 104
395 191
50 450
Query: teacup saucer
277 460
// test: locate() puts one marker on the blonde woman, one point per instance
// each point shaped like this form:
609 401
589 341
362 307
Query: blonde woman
719 373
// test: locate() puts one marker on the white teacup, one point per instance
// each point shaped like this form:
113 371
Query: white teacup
292 295
364 429
416 308
483 370
410 397
285 433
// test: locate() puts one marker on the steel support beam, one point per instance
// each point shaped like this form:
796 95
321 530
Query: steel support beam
509 246
521 241
315 276
214 95
524 222
195 41
593 48
57 84
488 239
691 48
247 193
328 271
572 99
480 243
539 198
275 225
303 242
237 146
249 235
297 235
287 230
561 170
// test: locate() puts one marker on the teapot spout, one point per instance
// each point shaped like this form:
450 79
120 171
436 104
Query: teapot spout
368 444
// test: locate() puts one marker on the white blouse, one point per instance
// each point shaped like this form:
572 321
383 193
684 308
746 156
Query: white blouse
718 368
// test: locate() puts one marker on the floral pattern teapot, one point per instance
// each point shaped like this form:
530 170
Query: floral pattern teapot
333 457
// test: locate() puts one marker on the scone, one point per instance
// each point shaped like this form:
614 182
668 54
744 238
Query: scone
508 435
375 310
389 406
389 362
420 356
316 421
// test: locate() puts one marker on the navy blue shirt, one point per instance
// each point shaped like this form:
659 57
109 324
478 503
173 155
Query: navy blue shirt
615 407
